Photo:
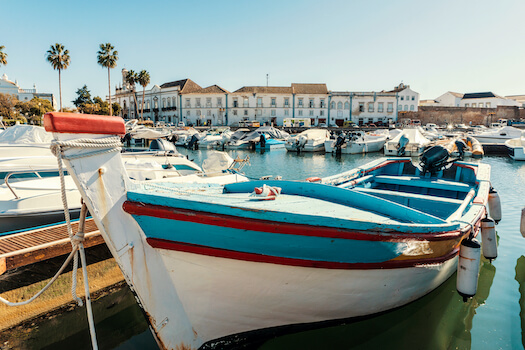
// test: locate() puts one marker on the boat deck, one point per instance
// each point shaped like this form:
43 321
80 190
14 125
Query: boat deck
36 245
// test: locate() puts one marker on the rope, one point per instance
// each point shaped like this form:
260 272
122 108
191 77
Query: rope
106 145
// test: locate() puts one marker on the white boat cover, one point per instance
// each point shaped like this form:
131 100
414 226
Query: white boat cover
316 133
273 132
25 134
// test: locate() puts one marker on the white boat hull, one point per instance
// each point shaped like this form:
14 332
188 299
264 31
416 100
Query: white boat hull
357 146
224 296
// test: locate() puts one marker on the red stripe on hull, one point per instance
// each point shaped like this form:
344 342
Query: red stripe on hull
213 219
230 254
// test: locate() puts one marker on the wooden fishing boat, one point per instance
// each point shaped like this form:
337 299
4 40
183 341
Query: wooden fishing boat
208 260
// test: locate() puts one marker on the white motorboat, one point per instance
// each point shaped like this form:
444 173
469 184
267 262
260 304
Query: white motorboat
311 140
498 136
516 147
410 142
356 142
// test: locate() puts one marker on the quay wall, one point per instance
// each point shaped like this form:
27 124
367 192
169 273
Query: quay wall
461 115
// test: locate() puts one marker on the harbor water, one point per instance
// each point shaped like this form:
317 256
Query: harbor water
493 319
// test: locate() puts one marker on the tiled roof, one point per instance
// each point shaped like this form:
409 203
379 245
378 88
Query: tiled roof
214 89
265 89
187 86
309 88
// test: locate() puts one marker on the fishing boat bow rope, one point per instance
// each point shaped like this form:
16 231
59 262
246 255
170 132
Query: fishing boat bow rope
106 145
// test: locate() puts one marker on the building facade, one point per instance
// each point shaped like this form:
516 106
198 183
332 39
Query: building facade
475 100
24 95
186 101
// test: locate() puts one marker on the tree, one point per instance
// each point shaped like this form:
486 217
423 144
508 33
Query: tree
143 79
107 58
7 105
83 98
34 109
3 56
116 108
131 79
60 60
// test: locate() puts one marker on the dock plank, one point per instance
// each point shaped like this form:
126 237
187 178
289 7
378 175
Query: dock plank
32 246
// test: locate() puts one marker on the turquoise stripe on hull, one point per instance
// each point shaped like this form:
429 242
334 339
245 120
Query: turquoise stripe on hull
272 244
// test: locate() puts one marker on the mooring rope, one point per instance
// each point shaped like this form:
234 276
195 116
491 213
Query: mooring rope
106 145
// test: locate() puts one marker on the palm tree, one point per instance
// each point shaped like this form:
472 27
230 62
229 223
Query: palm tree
60 60
107 58
131 79
3 56
143 79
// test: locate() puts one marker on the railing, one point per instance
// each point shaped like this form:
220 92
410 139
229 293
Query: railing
36 172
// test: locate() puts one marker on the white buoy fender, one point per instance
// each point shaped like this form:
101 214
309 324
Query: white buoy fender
488 239
522 223
494 205
468 268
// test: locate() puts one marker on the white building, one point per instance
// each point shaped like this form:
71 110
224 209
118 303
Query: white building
449 99
486 100
24 95
186 101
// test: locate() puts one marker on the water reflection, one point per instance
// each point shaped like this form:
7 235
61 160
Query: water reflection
520 277
439 320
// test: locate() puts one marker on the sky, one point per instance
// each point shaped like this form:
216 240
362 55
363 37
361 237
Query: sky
433 46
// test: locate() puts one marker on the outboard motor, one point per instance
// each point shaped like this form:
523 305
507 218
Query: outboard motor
301 141
461 146
173 138
434 159
194 142
127 139
403 142
262 141
339 143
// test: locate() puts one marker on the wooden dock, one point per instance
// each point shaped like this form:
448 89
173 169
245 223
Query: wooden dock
36 245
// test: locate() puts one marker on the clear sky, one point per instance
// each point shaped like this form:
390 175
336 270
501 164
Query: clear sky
434 46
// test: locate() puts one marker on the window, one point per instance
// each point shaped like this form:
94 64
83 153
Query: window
148 104
208 101
245 112
273 101
339 105
411 107
198 113
286 102
187 113
311 113
245 102
208 113
259 102
300 102
169 102
400 107
466 105
390 107
474 105
273 113
406 107
286 112
370 106
300 113
361 106
140 104
235 103
219 101
380 107
413 98
402 98
311 103
197 102
163 103
332 105
487 104
321 113
155 103
234 112
322 105
188 104
347 105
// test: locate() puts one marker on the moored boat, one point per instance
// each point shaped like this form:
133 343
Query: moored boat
310 140
410 143
515 148
208 261
356 142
